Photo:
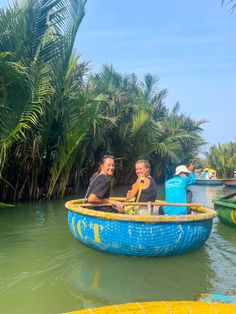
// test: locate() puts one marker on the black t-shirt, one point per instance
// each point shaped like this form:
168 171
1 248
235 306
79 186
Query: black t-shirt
100 186
149 194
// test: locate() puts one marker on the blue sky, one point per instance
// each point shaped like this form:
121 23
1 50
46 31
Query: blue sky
189 45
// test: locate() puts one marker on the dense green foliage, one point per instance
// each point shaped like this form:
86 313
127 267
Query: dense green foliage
56 119
223 159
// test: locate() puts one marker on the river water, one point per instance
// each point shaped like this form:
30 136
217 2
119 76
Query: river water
44 270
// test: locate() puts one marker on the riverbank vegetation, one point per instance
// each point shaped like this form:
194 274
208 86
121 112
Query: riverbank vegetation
57 118
222 157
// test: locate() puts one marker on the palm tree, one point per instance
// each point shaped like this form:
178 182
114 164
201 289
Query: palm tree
232 4
222 157
57 120
140 126
42 52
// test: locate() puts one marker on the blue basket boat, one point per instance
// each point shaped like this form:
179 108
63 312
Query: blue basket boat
139 235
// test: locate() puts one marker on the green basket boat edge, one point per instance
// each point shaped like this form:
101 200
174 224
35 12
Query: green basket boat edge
225 203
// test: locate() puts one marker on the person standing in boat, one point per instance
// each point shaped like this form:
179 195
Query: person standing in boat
100 186
205 174
145 188
176 191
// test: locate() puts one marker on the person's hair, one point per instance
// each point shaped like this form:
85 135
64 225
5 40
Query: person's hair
104 157
146 164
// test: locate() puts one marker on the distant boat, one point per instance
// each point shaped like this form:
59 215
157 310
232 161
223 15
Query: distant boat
213 181
217 298
139 235
226 209
209 181
230 183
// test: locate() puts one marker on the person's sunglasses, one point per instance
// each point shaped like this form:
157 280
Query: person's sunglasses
107 156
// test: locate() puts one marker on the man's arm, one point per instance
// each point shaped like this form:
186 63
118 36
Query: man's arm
191 178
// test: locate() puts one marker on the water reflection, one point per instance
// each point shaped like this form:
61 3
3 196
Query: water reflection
205 194
223 259
115 279
227 233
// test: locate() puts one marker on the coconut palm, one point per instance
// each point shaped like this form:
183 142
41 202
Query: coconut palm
231 3
141 126
222 157
57 120
43 50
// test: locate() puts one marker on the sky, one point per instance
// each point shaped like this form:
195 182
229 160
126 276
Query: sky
190 45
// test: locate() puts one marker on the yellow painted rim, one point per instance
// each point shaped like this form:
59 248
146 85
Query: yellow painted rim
233 216
74 206
163 307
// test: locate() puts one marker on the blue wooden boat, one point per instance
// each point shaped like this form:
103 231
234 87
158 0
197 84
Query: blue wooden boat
213 181
217 298
139 235
209 181
230 184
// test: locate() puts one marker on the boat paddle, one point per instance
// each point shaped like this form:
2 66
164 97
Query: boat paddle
228 196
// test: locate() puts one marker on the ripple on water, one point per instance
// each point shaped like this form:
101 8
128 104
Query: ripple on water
222 248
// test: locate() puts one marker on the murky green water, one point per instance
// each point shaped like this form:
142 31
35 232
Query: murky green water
44 270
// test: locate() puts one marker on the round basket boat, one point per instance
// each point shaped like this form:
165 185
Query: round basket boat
163 307
136 235
226 211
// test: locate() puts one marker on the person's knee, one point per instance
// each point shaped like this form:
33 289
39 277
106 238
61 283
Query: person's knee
189 211
161 210
189 196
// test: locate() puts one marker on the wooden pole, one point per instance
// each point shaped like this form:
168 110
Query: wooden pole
157 203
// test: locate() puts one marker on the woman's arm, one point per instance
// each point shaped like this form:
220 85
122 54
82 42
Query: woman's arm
135 187
133 191
99 190
191 178
93 198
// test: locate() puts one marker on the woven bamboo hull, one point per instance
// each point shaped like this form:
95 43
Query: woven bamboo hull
164 307
137 235
226 211
139 239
